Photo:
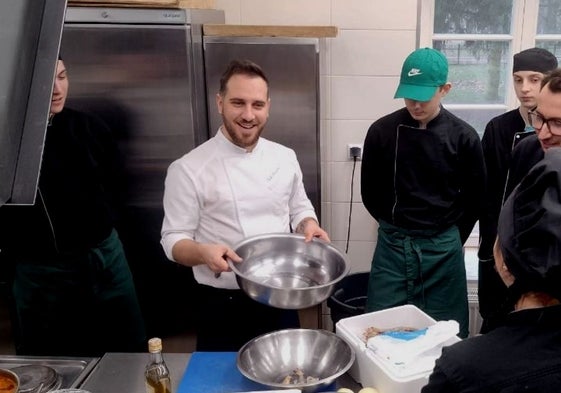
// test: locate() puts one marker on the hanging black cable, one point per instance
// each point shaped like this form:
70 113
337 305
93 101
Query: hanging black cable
351 204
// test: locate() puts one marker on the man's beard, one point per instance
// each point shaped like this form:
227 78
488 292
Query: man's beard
241 142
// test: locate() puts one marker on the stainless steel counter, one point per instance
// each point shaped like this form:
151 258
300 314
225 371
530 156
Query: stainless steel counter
71 371
124 372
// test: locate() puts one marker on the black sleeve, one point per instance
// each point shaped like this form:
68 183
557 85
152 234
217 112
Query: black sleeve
378 167
524 156
371 167
105 152
496 176
8 219
473 184
439 382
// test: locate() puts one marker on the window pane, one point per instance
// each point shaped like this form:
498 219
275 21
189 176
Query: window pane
472 17
549 17
477 118
552 46
478 70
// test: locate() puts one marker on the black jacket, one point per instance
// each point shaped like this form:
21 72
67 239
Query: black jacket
427 179
73 206
502 134
524 355
527 154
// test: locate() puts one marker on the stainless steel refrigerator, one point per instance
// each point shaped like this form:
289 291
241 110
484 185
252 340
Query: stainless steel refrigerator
141 70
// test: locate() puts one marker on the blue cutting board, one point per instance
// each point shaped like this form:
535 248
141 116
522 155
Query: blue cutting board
215 372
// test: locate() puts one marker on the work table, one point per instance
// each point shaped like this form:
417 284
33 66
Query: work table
124 372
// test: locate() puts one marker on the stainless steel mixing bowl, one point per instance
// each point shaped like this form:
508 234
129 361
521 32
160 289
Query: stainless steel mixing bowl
283 271
270 358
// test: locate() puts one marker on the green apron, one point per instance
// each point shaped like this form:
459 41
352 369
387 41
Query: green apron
421 268
82 305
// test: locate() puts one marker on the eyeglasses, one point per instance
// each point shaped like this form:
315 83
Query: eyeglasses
537 121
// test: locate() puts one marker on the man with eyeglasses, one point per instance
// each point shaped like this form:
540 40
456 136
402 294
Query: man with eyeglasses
502 134
546 120
523 355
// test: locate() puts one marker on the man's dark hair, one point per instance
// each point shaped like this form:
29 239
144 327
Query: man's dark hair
554 80
241 67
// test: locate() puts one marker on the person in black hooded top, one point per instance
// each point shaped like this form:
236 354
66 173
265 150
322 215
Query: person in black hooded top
72 287
523 355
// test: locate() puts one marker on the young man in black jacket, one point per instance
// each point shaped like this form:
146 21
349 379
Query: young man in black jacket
423 179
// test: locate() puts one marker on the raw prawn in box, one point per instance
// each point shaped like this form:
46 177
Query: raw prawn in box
372 370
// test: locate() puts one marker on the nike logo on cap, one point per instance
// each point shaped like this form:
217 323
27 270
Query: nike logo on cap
414 72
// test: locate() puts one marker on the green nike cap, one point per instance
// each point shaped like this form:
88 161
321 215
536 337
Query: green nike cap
422 73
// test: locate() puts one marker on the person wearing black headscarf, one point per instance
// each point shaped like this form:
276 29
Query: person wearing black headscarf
523 355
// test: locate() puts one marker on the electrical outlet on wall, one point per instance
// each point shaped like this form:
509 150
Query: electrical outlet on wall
354 150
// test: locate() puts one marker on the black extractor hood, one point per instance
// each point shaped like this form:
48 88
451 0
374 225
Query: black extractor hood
30 33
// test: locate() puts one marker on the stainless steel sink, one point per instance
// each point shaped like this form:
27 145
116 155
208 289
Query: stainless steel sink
72 370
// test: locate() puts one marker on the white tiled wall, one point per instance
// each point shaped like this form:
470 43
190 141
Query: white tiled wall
359 74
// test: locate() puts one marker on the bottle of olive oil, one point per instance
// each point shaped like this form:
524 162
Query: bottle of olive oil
157 372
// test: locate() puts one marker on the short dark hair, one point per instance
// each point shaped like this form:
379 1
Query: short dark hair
553 81
241 67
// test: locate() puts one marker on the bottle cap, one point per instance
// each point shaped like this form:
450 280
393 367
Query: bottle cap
155 345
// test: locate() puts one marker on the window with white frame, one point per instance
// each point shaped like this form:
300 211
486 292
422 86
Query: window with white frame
479 39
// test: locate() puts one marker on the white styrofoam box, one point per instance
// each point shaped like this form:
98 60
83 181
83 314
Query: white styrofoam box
368 369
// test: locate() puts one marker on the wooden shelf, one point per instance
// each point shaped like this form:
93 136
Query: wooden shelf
205 4
268 31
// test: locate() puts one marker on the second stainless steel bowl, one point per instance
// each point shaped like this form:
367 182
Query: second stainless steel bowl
272 359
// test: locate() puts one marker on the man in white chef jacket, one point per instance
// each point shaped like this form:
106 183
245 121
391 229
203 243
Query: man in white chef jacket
235 185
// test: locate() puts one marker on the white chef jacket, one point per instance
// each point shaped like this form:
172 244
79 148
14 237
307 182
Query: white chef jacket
220 193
